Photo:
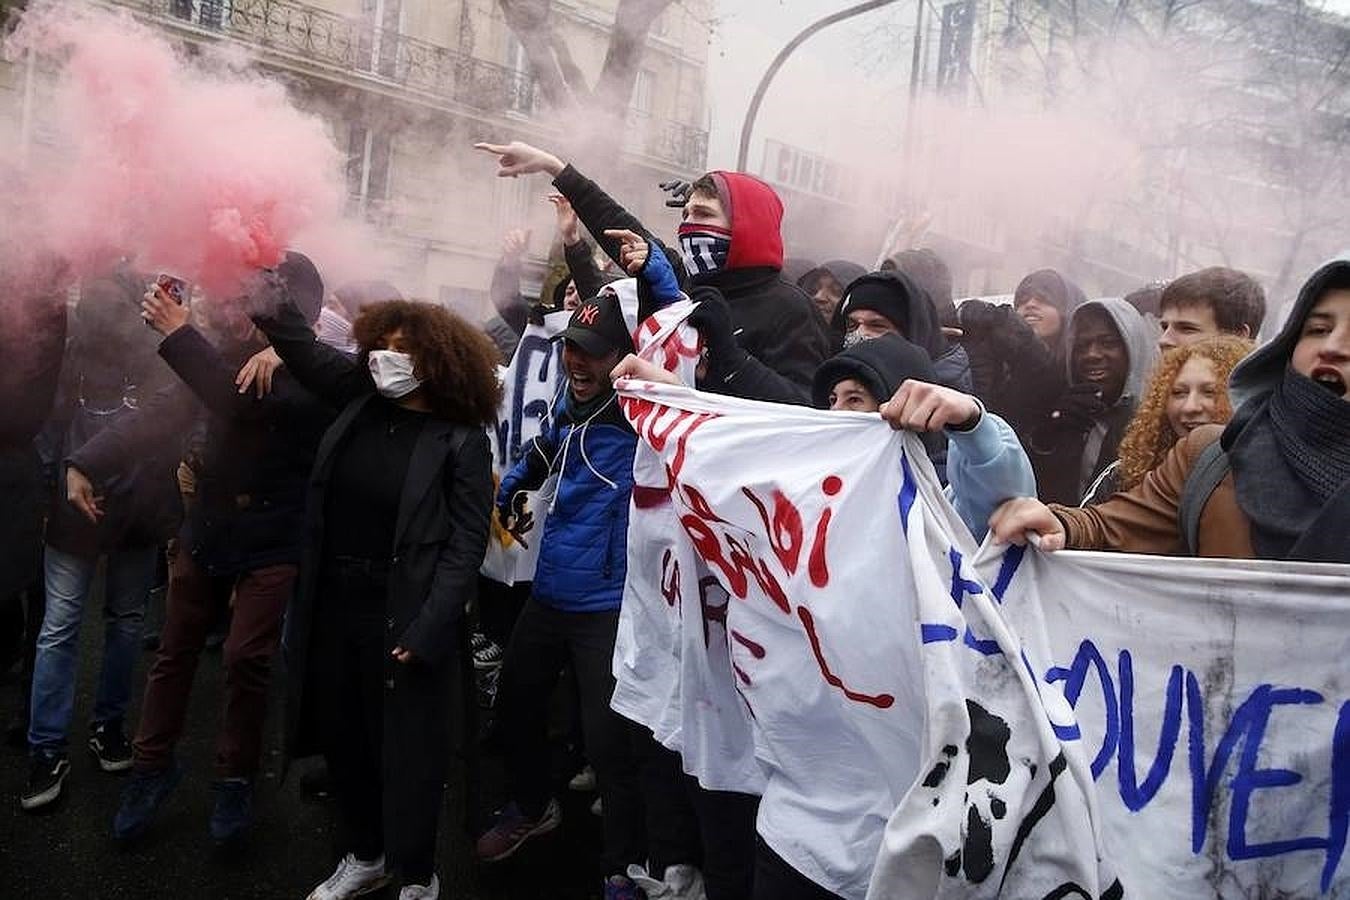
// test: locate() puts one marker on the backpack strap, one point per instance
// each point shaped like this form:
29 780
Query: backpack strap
1211 467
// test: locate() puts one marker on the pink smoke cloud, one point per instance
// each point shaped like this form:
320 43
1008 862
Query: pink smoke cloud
206 172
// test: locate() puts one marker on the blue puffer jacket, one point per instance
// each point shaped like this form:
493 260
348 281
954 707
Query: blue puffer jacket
583 554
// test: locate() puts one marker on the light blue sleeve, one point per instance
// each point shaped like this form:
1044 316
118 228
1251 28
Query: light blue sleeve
985 467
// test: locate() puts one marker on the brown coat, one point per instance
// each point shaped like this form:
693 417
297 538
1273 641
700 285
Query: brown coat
1144 518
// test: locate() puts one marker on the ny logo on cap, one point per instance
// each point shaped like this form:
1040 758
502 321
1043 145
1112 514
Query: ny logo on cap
588 313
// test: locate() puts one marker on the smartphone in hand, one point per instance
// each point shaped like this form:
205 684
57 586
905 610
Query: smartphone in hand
176 289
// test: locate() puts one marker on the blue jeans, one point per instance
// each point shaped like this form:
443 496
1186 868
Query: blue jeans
130 574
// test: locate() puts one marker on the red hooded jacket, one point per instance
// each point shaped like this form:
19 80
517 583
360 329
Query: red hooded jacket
756 216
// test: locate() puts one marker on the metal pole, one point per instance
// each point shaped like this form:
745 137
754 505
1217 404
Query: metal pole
753 112
26 110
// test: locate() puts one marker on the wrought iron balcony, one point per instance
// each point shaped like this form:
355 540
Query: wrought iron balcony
318 37
355 47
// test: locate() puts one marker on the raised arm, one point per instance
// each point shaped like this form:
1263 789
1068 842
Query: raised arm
212 380
326 372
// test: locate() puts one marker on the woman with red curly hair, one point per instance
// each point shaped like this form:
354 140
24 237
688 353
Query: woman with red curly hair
399 506
1189 388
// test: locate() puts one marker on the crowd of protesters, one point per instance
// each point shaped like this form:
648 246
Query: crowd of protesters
315 473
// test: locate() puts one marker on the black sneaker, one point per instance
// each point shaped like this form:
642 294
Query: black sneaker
110 747
46 777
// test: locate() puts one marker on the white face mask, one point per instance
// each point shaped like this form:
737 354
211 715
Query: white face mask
393 373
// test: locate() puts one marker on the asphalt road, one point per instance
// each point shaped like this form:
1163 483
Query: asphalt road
66 851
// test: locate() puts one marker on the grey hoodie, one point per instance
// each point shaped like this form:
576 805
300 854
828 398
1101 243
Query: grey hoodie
1142 349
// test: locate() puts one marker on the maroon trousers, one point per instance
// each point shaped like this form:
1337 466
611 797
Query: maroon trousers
194 600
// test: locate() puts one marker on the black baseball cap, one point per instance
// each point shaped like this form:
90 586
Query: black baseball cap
597 326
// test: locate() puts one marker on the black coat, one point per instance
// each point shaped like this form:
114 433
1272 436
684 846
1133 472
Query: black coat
774 319
256 458
440 539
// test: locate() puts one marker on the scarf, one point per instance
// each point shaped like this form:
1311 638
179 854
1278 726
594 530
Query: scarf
1291 465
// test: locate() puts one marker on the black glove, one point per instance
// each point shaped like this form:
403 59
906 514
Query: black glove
712 317
679 192
534 313
1077 409
978 319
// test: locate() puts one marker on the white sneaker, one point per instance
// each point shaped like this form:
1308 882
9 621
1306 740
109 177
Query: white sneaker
598 807
352 878
681 882
421 891
584 781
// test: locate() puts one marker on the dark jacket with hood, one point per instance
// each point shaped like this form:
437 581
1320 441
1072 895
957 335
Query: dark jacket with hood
1068 458
257 454
775 321
110 376
899 298
1013 371
881 365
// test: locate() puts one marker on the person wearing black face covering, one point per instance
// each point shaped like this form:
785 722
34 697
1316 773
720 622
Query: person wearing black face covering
891 302
1273 484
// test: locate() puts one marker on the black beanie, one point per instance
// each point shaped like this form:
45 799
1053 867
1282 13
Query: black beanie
881 365
304 287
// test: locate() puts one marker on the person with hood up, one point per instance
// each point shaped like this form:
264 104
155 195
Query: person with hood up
731 251
1112 350
238 547
825 285
892 303
1017 354
1272 484
977 455
928 270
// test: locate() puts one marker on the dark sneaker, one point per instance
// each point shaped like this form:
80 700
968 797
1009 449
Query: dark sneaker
142 798
110 747
233 813
621 887
513 829
46 776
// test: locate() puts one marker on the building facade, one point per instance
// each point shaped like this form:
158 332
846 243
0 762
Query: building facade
407 87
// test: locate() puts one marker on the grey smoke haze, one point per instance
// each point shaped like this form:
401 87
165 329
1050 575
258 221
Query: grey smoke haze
1110 149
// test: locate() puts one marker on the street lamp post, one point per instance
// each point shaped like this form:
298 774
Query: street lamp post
750 114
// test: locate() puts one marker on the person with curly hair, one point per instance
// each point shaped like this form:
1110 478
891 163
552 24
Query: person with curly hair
1189 388
399 506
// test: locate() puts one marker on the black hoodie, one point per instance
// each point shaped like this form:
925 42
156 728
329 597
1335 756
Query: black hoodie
1289 443
881 365
899 298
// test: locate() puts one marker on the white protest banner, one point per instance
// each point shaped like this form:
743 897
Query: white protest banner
530 387
1082 725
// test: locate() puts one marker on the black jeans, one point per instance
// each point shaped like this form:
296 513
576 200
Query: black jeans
726 822
385 727
776 880
543 640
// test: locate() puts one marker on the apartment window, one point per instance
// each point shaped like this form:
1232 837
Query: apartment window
206 13
368 157
379 45
642 92
520 87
